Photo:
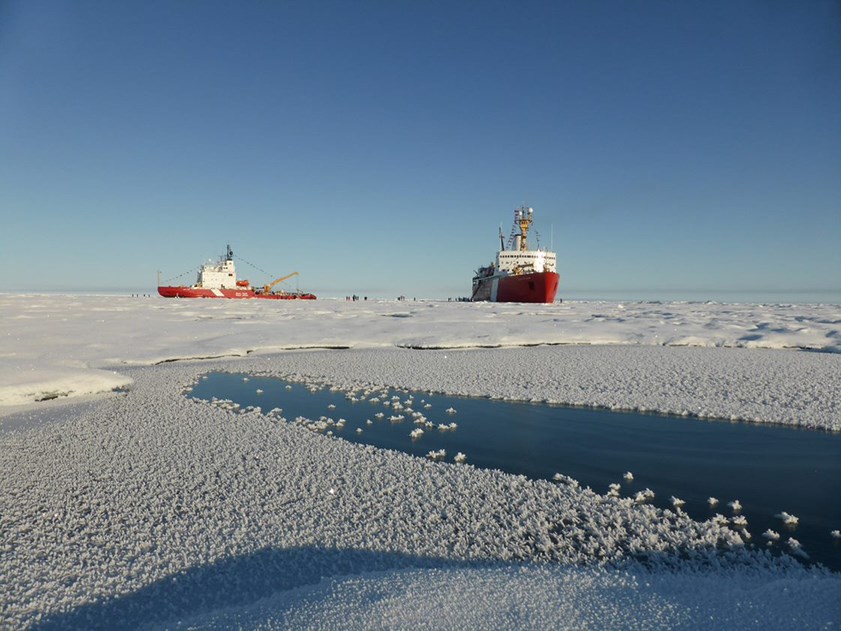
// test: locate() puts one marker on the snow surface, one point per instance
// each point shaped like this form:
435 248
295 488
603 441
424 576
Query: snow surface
57 346
541 597
148 508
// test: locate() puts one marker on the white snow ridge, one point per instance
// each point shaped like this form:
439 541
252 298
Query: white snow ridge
145 508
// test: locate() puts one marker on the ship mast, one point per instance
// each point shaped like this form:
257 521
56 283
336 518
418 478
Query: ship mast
522 219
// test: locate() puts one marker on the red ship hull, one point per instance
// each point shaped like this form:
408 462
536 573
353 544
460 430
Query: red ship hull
539 287
197 292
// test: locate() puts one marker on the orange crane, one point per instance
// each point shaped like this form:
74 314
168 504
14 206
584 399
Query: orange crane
268 288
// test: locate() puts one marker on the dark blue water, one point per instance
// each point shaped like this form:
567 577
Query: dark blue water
768 469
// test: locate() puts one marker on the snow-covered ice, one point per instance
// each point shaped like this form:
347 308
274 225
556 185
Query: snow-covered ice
150 506
146 507
604 354
539 597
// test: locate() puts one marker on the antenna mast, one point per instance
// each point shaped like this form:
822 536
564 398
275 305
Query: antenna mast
523 221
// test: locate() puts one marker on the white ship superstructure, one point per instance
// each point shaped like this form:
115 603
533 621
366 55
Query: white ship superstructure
219 275
519 259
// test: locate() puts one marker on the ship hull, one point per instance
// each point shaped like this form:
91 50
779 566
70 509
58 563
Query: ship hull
538 287
199 292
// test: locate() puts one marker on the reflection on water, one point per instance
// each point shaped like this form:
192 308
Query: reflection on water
768 469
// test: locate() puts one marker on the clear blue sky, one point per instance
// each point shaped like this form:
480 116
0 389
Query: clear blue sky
375 147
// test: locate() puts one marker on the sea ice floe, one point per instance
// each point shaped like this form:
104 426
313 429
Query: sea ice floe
271 469
193 491
561 374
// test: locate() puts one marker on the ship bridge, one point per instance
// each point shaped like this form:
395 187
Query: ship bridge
220 275
525 261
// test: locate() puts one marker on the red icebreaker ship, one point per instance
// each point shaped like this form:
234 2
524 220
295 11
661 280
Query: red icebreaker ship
219 280
519 274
